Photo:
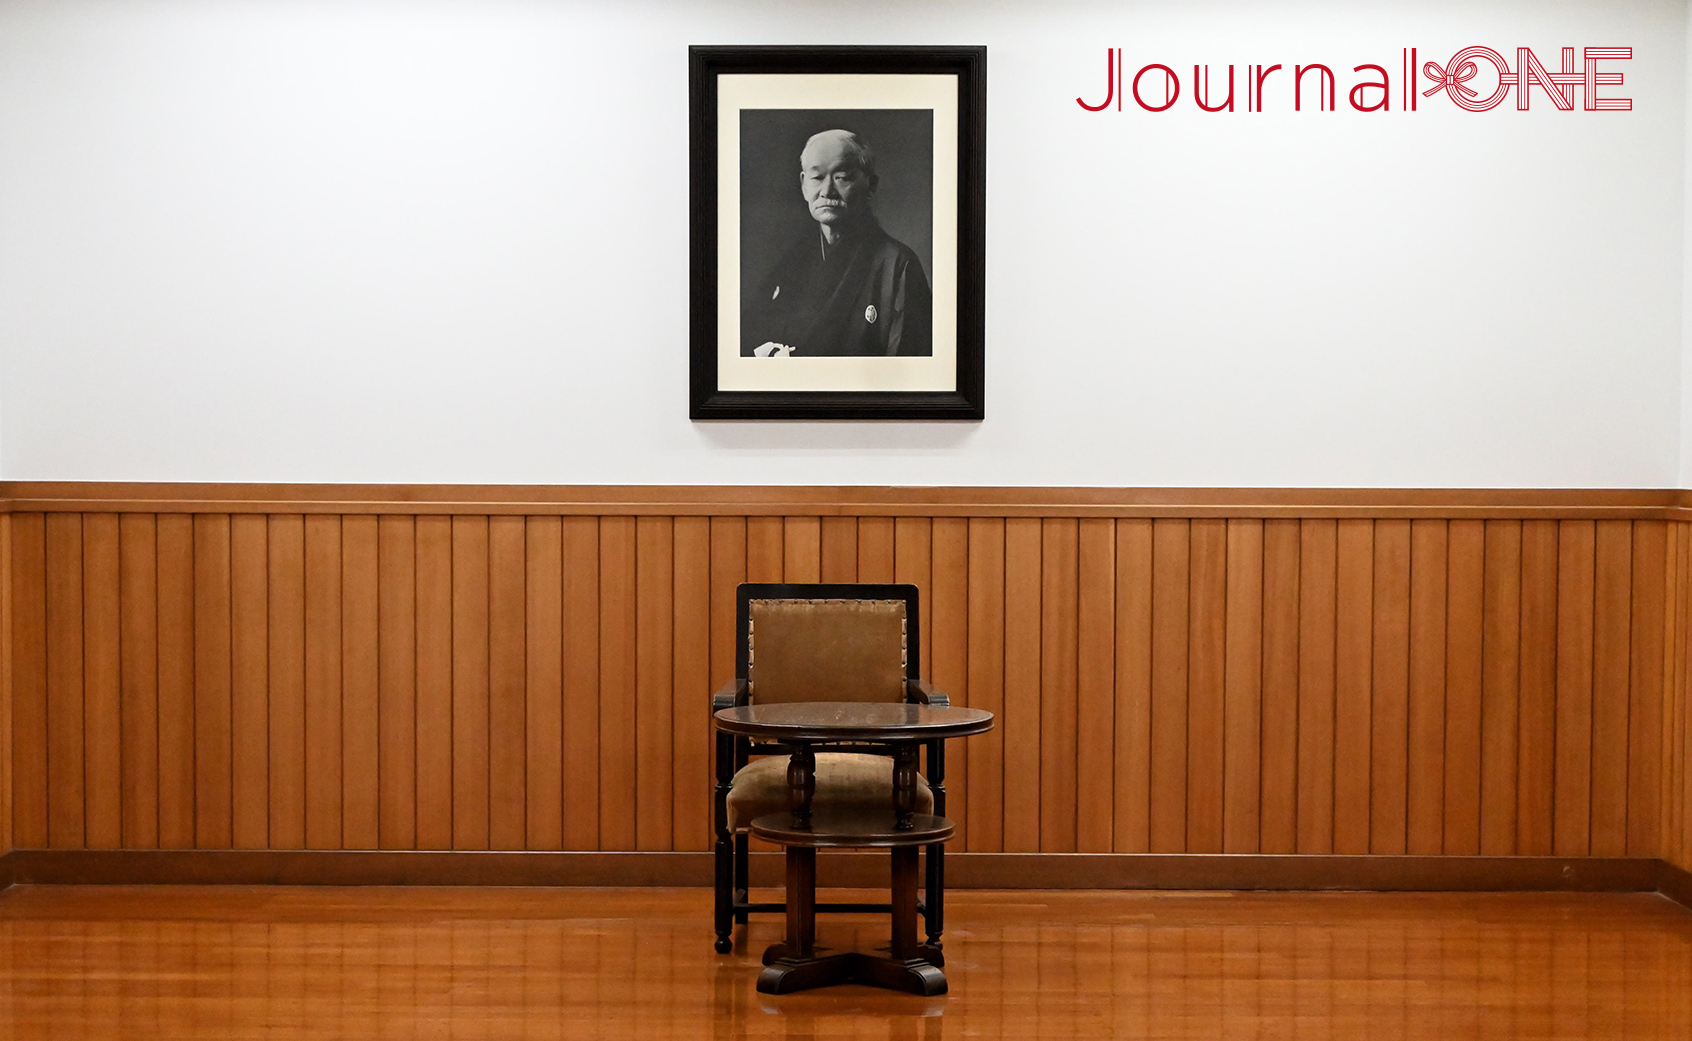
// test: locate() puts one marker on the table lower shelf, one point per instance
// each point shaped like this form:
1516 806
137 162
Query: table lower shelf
861 829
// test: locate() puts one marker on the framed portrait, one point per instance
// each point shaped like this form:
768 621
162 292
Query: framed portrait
838 231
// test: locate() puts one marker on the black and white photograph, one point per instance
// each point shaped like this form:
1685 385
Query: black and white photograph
837 232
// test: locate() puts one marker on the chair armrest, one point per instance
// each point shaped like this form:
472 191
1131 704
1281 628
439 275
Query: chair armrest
920 692
732 693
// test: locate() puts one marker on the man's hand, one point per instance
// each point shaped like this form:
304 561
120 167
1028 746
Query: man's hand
771 349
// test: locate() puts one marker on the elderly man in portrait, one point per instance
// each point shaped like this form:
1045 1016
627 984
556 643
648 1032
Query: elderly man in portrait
847 288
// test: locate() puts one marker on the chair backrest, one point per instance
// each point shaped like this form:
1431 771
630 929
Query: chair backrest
827 641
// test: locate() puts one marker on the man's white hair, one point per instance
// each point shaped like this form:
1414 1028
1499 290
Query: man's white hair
851 144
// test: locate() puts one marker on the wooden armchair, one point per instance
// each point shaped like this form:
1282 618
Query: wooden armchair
819 642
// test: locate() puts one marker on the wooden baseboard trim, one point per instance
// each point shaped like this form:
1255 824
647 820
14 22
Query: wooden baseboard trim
858 869
1675 883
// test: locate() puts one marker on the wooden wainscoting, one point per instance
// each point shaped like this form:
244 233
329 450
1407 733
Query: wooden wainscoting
287 667
1677 730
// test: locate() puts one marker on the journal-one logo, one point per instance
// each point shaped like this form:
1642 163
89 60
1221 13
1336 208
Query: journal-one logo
1156 87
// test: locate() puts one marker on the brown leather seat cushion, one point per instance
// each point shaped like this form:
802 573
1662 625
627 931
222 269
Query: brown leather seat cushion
846 780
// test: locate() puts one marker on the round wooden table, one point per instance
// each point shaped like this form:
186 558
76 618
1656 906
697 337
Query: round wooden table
903 728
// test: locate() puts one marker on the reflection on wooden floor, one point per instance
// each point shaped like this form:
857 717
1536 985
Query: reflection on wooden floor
229 962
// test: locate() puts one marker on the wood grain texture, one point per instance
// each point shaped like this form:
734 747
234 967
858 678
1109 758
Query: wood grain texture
324 790
1278 761
215 962
1059 593
396 667
65 723
138 641
176 680
1243 689
213 659
507 677
1095 694
1170 620
6 678
249 709
1183 684
102 693
360 683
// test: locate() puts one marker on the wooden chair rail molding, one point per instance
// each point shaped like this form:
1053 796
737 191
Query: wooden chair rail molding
814 501
1319 681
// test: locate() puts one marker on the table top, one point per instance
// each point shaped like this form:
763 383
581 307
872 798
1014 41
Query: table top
819 721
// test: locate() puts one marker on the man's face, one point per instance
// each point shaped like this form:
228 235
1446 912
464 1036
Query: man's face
835 187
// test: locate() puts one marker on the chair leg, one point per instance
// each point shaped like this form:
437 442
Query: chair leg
742 875
934 909
723 883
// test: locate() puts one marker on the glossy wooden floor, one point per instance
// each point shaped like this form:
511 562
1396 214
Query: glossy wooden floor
229 962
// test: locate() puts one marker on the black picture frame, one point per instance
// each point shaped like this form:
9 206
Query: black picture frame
963 400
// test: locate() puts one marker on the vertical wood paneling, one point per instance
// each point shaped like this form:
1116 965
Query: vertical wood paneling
1206 670
176 680
1465 611
1181 685
947 659
765 552
323 740
913 562
29 680
1279 758
1095 696
581 683
1536 755
508 810
6 605
1317 582
396 673
654 675
1243 683
1021 718
1576 603
875 549
1645 684
1354 638
249 678
360 683
470 683
1611 657
1171 558
102 686
1500 686
1429 588
839 549
65 774
1058 643
213 657
690 686
434 783
138 621
1389 744
543 683
617 621
801 549
985 773
1131 802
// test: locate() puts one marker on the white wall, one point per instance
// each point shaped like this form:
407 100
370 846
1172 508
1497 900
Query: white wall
447 241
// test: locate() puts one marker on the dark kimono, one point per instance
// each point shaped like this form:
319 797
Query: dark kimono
866 297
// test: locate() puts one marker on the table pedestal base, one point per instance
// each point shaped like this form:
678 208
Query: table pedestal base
784 975
794 964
